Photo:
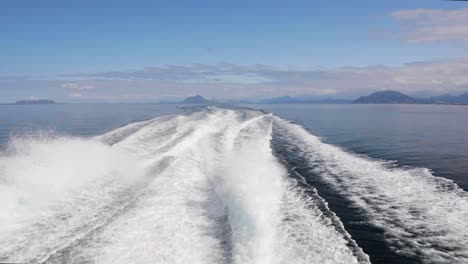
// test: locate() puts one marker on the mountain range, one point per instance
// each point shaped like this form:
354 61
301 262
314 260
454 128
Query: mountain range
380 97
303 100
387 97
451 99
395 97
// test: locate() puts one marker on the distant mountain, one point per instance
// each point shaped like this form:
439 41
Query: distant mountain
450 99
387 97
303 100
22 102
331 101
279 100
380 97
197 99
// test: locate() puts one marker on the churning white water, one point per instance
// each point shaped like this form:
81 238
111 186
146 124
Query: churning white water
201 187
422 215
55 190
206 187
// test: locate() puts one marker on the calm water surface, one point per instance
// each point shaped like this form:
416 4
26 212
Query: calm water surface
75 119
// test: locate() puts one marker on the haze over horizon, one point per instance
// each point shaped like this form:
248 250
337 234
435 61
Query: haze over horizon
155 50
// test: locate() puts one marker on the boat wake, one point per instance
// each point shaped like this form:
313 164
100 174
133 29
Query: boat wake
207 186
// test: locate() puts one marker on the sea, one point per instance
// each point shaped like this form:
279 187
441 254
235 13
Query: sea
169 183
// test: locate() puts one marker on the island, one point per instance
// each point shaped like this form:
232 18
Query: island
197 99
41 101
387 97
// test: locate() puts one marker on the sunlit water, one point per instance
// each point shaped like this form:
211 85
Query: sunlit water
218 185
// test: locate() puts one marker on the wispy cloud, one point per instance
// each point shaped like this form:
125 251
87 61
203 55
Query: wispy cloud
229 80
433 25
77 86
240 81
76 95
197 73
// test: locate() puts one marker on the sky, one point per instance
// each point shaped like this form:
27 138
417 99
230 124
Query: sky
147 51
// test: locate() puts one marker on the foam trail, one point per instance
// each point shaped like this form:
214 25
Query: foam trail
55 189
201 187
223 198
250 184
423 215
272 220
177 218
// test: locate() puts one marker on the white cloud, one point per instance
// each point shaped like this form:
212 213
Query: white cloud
77 86
429 78
241 81
432 25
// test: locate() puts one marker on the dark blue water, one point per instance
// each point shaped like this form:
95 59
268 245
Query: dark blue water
430 136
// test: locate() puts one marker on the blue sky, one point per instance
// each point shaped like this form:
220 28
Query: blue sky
125 51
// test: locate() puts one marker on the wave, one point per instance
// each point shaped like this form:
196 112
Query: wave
54 190
206 186
222 198
201 187
423 215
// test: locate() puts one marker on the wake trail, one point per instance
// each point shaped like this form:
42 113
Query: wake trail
200 187
423 216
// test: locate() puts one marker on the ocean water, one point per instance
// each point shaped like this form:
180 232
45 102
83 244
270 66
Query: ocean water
147 183
74 119
430 136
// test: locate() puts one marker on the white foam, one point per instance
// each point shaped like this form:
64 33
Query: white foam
222 199
272 219
176 219
213 193
42 178
249 182
422 214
